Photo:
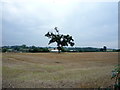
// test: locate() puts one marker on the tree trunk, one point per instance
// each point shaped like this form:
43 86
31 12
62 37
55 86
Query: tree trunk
58 49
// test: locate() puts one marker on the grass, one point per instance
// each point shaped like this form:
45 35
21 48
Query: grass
75 70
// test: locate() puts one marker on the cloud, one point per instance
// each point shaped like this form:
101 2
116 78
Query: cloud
26 21
96 23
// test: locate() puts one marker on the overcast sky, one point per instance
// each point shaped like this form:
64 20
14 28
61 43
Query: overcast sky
92 24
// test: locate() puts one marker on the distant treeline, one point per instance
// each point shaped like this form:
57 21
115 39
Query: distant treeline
24 48
34 49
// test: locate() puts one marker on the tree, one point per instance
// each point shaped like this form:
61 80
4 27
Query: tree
23 46
60 39
104 48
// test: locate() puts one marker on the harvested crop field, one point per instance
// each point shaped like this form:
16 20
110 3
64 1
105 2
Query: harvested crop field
53 70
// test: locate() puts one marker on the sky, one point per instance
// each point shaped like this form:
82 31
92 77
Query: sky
92 24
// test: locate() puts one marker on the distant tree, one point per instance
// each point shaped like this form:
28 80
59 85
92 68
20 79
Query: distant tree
118 50
104 48
33 47
4 49
60 39
23 46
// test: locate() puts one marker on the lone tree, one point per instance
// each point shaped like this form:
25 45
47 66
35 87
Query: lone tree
60 39
105 48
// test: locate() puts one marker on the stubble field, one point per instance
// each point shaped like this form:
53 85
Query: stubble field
53 70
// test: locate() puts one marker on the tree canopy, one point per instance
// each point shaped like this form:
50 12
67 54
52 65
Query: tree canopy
60 39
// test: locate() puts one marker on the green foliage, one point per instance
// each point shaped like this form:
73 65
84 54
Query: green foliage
35 49
116 72
4 49
23 46
116 76
60 39
104 48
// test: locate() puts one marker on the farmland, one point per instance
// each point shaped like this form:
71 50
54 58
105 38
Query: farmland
53 70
